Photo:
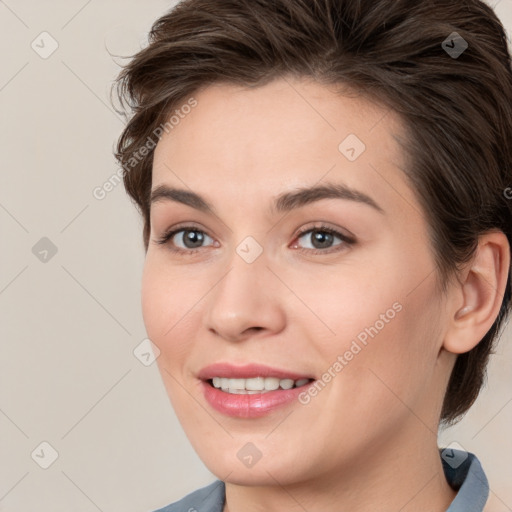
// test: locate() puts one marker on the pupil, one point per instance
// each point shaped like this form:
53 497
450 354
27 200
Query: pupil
194 237
323 238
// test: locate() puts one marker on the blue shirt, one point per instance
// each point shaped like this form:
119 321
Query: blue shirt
463 472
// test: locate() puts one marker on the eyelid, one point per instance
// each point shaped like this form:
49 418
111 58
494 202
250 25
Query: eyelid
344 234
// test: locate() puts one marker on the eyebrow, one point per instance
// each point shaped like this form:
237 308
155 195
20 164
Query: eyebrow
284 202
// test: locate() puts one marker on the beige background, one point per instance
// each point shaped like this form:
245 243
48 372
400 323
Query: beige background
69 325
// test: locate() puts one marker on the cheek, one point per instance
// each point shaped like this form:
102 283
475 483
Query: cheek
153 301
168 317
165 301
395 367
384 329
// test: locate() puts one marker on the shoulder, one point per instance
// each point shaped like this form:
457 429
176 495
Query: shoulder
206 499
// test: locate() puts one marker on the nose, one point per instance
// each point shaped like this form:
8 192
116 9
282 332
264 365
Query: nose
246 300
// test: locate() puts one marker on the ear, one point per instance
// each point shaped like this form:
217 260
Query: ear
478 296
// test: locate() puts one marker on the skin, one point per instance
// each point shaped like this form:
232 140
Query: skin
368 440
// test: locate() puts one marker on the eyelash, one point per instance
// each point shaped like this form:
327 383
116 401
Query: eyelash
167 236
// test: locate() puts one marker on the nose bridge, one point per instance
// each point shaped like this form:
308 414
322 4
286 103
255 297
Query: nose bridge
244 298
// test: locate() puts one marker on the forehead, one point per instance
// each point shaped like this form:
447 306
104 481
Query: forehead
287 133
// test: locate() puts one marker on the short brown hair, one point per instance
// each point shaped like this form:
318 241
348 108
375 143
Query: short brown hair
457 108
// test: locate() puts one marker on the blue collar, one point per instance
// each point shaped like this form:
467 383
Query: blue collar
465 475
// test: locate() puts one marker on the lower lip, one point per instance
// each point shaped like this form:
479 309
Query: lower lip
250 406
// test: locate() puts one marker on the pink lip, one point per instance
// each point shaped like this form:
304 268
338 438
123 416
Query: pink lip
248 406
247 371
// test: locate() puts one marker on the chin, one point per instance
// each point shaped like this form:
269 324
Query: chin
234 465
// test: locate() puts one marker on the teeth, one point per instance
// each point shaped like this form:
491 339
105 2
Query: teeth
255 384
236 383
271 383
287 383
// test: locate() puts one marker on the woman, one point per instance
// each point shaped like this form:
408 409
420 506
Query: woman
327 228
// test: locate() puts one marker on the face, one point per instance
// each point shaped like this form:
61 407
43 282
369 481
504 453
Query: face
333 293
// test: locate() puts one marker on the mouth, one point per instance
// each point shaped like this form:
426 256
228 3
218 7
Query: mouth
252 390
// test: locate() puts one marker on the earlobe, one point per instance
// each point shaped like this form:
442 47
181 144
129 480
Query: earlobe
482 290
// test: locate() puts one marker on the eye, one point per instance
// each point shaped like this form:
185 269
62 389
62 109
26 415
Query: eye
323 239
190 237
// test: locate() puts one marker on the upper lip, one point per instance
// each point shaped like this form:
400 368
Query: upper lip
247 371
